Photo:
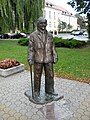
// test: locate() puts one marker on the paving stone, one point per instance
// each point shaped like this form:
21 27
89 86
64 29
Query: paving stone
6 110
12 112
17 115
88 101
40 114
1 113
73 118
5 116
2 107
29 114
34 110
8 104
23 112
1 118
35 117
83 107
87 113
11 118
12 106
18 108
77 115
85 104
23 118
42 118
17 103
80 111
22 105
88 109
85 118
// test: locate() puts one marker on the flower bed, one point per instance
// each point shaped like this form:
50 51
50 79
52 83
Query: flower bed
8 63
9 67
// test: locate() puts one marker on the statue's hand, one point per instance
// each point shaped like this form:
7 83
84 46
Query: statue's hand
55 60
30 62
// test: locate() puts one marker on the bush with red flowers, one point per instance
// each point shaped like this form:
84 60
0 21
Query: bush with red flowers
8 63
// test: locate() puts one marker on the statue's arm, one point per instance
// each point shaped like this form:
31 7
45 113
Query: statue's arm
55 55
31 51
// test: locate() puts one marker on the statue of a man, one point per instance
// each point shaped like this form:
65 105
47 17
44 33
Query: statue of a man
42 54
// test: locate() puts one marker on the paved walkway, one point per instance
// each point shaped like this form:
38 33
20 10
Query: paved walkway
14 105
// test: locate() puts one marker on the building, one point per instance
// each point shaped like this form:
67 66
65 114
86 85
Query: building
55 14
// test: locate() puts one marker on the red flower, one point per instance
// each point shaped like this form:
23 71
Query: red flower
8 63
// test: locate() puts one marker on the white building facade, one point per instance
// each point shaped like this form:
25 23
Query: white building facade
54 14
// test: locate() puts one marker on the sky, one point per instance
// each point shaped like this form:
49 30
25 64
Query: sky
63 3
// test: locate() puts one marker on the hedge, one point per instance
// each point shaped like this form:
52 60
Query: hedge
23 41
59 42
69 43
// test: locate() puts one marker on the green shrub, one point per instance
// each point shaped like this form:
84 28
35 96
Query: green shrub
59 42
69 43
88 42
23 41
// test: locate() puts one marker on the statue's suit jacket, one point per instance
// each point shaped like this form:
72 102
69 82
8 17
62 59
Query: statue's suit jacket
40 51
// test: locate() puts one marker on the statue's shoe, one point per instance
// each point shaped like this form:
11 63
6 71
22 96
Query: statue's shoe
52 93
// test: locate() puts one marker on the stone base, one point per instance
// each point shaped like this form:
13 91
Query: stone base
10 71
43 99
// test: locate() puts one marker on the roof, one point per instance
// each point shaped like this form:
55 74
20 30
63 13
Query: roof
56 7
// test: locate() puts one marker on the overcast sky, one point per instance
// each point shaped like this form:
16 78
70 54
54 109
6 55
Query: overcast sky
64 4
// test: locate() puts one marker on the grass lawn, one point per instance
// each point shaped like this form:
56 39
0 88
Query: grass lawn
72 63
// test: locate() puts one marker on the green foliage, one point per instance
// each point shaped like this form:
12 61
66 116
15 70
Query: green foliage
62 25
81 21
69 43
82 6
69 26
88 17
19 14
23 41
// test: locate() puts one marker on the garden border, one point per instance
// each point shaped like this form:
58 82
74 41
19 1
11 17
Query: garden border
12 70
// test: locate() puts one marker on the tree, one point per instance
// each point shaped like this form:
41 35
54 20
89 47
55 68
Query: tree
81 21
69 26
82 6
64 25
32 10
11 14
20 14
59 25
88 17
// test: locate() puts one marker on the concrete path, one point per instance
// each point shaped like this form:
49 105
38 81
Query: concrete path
14 105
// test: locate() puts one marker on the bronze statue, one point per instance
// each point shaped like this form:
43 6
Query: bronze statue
42 54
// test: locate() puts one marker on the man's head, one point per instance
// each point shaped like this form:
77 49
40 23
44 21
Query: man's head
41 23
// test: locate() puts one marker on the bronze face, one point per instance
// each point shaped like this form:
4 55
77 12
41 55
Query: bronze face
41 23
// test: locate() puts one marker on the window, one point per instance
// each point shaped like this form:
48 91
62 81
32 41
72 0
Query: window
54 25
49 14
54 16
49 24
